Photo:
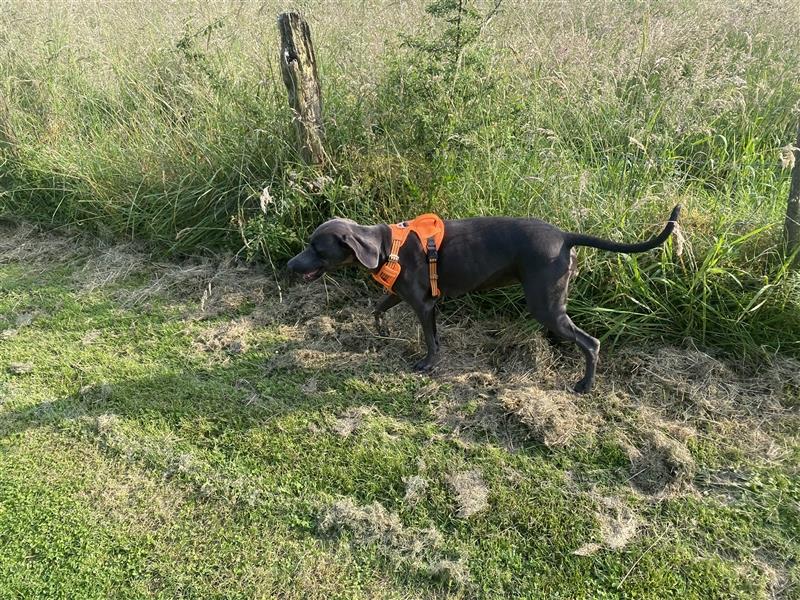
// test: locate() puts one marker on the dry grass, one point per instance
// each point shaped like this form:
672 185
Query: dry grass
551 415
350 421
470 491
416 487
221 285
133 498
27 244
230 337
108 266
618 526
20 368
660 463
375 527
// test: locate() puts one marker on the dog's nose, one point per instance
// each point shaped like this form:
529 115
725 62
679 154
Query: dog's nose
292 264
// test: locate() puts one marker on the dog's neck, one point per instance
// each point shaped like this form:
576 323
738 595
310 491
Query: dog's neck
386 246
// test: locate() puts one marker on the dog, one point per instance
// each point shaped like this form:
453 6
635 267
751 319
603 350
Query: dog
479 253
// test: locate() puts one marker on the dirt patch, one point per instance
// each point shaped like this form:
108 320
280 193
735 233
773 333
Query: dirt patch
470 491
376 527
551 415
660 463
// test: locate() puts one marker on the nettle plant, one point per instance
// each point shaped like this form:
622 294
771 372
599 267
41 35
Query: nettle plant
443 90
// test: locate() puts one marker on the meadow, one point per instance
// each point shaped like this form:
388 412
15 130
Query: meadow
177 419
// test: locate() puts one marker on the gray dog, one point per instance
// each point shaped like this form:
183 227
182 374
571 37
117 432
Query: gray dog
477 254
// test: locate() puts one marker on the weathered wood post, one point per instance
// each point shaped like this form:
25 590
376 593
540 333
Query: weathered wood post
791 229
299 69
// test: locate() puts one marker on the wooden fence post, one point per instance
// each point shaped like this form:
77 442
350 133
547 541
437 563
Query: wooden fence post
299 69
791 229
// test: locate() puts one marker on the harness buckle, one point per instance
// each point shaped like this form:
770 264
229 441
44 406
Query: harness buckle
433 255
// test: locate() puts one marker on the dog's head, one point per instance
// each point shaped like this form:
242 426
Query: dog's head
337 243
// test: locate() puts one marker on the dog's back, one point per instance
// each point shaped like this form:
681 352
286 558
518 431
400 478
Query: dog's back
486 252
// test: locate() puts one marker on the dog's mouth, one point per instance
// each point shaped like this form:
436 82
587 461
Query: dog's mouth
312 275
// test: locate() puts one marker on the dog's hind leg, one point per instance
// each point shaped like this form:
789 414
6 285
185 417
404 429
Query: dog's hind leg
562 325
546 299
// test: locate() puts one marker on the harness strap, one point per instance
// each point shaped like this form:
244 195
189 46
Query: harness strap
433 258
390 270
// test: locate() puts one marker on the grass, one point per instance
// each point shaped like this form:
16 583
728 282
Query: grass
198 428
168 128
181 432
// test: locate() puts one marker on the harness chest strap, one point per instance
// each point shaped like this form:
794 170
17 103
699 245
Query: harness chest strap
430 231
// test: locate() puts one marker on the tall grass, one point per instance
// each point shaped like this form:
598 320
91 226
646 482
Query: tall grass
166 123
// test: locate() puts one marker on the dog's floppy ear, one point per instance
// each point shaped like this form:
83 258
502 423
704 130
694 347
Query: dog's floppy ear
365 242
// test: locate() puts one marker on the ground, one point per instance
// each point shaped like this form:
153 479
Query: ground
204 429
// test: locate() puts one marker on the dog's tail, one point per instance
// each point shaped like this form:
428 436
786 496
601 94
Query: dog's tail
579 239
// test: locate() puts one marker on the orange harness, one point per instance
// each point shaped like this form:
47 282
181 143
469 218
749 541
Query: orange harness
430 231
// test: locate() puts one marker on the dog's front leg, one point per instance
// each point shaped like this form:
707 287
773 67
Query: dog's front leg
426 312
387 302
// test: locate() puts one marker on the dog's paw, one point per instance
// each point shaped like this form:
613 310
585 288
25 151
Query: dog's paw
583 386
423 366
380 326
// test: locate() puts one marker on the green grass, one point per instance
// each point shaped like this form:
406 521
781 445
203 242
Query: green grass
139 458
164 125
136 463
